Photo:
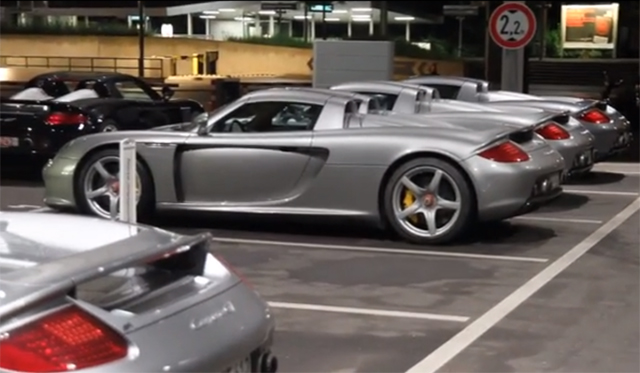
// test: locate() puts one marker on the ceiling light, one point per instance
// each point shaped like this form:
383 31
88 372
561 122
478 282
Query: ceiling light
302 17
207 16
339 11
209 12
361 9
404 18
332 19
243 19
226 10
361 19
360 16
267 12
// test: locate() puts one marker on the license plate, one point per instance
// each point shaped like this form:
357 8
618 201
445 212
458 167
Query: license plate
8 142
588 157
243 366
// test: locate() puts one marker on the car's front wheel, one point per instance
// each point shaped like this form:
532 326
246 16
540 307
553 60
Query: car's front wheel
98 186
428 201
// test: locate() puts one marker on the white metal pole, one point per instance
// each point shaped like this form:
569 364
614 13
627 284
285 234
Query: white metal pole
127 181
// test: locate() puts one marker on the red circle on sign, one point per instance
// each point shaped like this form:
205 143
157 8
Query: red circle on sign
494 25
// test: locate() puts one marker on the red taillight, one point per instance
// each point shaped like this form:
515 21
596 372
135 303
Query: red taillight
595 116
233 270
66 340
507 152
58 119
553 131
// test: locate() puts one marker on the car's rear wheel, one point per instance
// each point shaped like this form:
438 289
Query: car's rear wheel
428 201
98 186
109 126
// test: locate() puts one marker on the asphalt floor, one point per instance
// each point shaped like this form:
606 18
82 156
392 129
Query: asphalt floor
553 291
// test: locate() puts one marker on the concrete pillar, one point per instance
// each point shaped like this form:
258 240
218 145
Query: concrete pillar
207 27
258 27
407 31
371 27
189 24
313 28
349 30
290 29
272 26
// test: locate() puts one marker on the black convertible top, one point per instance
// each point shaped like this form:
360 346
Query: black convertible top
82 75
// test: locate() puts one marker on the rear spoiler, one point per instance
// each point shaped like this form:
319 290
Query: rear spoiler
63 275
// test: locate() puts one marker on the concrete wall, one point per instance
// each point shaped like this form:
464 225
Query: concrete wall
337 61
234 58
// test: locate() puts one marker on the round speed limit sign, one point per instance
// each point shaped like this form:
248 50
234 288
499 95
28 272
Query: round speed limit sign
512 25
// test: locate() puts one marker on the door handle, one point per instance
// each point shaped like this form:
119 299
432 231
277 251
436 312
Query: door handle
290 149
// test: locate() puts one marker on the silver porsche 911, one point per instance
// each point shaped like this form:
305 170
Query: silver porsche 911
317 152
612 131
91 295
562 132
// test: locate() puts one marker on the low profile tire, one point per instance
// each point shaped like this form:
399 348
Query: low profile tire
109 126
97 186
428 201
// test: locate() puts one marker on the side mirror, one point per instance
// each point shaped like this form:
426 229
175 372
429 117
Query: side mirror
167 93
202 123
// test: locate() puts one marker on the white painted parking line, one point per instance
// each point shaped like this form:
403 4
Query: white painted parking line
620 168
381 250
23 207
602 192
369 312
441 356
559 220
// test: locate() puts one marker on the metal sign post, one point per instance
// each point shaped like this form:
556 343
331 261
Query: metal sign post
127 181
512 26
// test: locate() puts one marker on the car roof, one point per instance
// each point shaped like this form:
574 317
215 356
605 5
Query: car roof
82 75
28 239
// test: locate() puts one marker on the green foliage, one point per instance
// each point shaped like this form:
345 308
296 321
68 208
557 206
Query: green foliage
41 28
439 49
280 41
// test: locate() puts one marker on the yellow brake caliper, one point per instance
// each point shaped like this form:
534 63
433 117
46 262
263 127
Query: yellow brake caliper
407 201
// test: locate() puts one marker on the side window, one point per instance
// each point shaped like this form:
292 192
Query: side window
131 90
446 91
385 101
271 116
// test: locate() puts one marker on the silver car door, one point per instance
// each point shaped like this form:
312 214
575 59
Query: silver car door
254 155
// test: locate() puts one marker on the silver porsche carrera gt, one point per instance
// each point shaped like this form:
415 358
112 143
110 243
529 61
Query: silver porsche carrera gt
91 295
612 131
562 132
317 152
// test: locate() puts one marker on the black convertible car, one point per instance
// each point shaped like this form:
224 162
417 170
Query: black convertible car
55 108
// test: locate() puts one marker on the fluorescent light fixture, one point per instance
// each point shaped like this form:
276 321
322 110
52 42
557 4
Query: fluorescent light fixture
226 10
267 12
243 19
365 16
332 19
361 19
210 12
207 16
361 9
302 17
404 18
339 11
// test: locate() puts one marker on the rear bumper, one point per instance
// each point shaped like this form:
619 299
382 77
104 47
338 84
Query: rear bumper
41 143
577 151
505 190
610 139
